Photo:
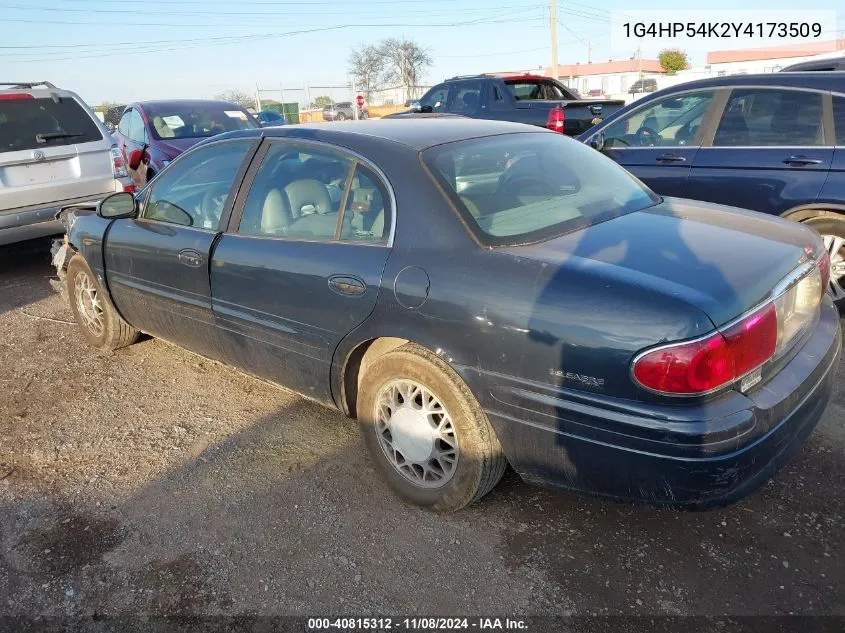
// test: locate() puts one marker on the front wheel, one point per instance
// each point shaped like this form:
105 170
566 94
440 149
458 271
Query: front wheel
832 230
340 117
425 431
100 323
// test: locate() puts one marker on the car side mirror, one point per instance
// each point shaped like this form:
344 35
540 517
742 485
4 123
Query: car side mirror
118 205
597 141
416 106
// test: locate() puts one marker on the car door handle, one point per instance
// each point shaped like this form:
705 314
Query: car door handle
802 160
190 258
671 158
346 285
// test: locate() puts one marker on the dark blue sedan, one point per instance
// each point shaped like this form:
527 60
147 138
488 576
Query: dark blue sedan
773 143
477 294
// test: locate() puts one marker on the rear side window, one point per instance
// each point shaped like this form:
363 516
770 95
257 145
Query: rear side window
36 123
536 89
839 119
518 188
759 118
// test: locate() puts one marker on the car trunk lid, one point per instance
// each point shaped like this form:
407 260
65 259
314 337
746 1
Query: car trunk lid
721 260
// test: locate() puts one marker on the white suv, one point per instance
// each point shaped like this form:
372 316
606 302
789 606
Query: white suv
54 152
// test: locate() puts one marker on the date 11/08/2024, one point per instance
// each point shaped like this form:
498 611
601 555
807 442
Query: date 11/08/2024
416 624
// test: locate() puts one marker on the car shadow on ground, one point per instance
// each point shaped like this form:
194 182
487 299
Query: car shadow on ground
19 263
288 517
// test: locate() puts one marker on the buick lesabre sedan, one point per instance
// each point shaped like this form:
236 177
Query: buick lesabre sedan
476 294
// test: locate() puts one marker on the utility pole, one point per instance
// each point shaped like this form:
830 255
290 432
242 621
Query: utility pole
589 52
553 26
257 98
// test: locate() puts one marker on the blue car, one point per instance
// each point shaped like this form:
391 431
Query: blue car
269 118
773 143
475 294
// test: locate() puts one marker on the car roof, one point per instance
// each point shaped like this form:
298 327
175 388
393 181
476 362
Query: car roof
832 80
164 103
828 64
417 134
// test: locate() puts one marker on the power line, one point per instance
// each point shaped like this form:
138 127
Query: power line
253 37
247 14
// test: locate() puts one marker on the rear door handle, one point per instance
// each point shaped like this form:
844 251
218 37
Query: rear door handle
801 160
190 258
671 158
346 285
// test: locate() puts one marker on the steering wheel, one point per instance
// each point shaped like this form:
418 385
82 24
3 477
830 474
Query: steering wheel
211 207
647 137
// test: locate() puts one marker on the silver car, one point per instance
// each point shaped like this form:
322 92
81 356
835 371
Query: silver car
54 153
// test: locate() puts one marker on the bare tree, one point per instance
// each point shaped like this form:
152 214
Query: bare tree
367 66
406 61
243 99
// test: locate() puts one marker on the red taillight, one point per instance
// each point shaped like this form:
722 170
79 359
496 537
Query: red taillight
753 341
556 120
15 96
129 188
704 365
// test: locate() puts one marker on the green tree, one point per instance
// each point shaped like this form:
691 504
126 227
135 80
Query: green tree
321 102
672 60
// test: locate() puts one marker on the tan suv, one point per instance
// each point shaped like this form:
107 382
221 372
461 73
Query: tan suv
54 152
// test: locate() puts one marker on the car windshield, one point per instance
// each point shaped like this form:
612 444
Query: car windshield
519 188
196 121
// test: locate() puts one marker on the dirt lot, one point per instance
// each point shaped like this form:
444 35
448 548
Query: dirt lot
152 481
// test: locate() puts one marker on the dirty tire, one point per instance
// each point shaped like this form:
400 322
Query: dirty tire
481 461
114 332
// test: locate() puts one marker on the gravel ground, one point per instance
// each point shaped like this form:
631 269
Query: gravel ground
151 481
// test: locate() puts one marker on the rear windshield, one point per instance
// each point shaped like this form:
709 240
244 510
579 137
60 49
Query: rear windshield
180 121
536 90
519 188
37 123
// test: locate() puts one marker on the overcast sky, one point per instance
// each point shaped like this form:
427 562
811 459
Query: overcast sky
124 51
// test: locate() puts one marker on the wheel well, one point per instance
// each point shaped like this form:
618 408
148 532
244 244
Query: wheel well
356 364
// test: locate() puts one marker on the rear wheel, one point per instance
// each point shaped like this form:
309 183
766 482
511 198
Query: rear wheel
340 117
832 230
425 431
100 323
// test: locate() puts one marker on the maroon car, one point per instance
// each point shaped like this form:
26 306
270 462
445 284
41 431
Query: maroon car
161 130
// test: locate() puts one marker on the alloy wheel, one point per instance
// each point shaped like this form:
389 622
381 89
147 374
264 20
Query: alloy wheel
835 246
88 304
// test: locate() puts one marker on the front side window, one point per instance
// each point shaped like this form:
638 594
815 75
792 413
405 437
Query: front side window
435 99
196 120
759 118
669 122
194 190
517 188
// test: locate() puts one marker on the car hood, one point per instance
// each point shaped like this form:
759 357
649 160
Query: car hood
175 146
719 259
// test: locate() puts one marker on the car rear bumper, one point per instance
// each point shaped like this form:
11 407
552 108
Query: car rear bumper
17 225
698 456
